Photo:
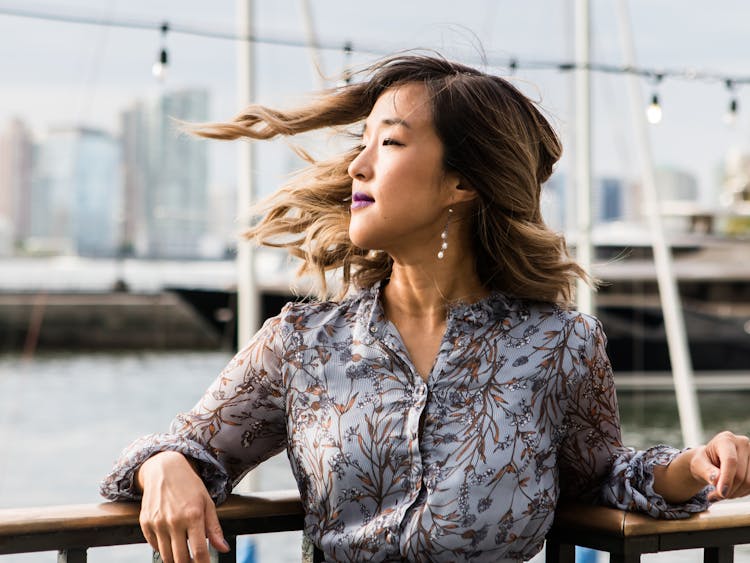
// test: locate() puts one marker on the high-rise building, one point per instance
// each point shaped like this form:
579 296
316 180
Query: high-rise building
609 196
76 193
16 155
134 178
223 230
736 178
165 176
612 199
735 192
673 184
553 202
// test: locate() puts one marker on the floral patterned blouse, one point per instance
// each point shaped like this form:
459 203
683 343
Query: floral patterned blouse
518 410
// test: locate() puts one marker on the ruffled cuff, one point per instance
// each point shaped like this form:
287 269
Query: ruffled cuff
631 485
119 484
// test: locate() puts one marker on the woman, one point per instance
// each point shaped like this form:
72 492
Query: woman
440 409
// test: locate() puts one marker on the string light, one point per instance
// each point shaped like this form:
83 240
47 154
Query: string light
512 64
159 68
653 111
346 74
730 117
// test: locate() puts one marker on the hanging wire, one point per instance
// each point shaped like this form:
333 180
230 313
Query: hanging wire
506 62
96 63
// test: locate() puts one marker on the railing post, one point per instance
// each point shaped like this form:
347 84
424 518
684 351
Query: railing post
556 552
719 554
77 555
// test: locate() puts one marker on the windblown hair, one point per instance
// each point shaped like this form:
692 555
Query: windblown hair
493 136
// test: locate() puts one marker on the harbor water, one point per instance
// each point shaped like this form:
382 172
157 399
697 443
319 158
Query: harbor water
64 418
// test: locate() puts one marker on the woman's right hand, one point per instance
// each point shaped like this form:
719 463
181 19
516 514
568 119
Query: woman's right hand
177 510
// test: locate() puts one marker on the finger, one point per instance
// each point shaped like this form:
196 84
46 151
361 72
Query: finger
742 491
213 530
198 546
741 476
727 453
151 539
150 536
703 468
164 547
180 548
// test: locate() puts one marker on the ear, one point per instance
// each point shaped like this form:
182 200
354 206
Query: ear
462 191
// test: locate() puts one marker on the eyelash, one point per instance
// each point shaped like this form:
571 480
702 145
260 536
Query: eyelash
386 143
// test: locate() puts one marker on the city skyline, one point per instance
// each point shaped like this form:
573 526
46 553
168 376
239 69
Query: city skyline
160 205
85 76
81 73
142 191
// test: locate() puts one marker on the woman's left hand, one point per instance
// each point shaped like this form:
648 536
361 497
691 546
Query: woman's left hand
724 462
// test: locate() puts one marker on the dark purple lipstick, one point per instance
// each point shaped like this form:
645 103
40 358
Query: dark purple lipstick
360 200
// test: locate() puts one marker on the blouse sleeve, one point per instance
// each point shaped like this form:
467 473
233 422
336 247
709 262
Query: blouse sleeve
238 423
594 465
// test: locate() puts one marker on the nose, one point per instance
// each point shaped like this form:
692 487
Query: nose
360 168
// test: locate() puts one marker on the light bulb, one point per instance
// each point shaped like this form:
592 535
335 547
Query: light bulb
653 111
730 117
159 68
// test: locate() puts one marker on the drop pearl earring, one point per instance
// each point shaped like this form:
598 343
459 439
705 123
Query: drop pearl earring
444 237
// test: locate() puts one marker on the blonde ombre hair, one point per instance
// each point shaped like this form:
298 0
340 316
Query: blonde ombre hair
493 136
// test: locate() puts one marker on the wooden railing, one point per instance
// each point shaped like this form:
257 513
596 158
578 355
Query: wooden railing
626 535
71 530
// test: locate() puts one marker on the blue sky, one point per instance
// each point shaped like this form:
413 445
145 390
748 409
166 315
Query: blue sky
61 73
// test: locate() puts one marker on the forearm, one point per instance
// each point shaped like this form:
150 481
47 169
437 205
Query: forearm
675 482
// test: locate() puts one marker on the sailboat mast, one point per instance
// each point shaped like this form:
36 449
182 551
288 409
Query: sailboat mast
674 322
584 249
248 294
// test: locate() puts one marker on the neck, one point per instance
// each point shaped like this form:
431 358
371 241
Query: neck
421 291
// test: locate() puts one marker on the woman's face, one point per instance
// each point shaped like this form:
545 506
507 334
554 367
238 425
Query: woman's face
400 190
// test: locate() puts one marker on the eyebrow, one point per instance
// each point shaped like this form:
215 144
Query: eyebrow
391 121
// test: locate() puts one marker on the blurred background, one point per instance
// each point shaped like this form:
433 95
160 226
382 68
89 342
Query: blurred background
118 233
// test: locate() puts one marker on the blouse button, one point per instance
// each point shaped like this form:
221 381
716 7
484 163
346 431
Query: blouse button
373 329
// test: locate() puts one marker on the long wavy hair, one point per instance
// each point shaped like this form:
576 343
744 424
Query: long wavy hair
493 136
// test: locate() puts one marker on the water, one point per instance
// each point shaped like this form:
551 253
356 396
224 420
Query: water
65 418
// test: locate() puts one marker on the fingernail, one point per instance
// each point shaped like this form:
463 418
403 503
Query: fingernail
226 544
725 490
713 477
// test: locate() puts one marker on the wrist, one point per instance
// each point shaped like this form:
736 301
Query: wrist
692 472
156 465
677 482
